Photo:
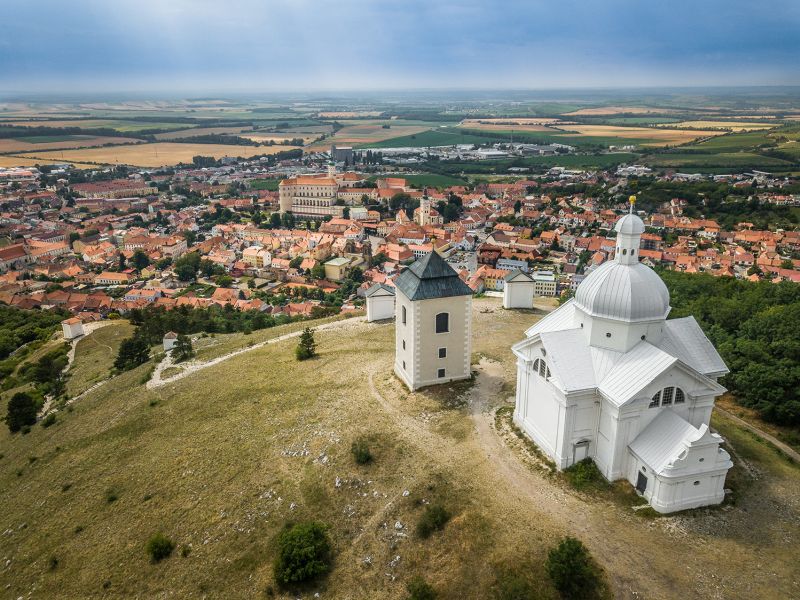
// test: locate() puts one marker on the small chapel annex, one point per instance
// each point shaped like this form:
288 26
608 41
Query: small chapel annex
606 376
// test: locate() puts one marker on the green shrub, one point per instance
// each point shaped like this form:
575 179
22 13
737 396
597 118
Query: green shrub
584 474
513 586
571 568
49 420
111 495
433 519
307 347
159 547
419 589
303 553
361 452
21 412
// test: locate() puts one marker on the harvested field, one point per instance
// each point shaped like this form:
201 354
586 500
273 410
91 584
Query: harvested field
16 161
157 154
726 125
71 141
349 114
118 124
186 133
367 134
277 137
509 124
654 136
620 110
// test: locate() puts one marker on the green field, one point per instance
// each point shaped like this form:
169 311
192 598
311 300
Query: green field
734 160
634 120
44 139
264 184
433 180
438 137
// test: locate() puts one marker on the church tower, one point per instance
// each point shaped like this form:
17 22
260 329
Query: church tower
433 324
424 210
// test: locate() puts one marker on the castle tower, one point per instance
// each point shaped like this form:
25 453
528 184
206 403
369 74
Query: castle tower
424 210
433 324
331 170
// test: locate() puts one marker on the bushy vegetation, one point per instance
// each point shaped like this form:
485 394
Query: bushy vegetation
304 553
360 450
584 474
571 568
419 589
183 349
21 412
159 547
307 347
18 326
511 585
434 518
133 352
756 328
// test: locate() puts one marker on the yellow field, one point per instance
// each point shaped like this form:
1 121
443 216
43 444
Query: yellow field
185 133
664 136
278 137
13 161
619 110
728 125
158 154
12 145
349 114
366 134
509 124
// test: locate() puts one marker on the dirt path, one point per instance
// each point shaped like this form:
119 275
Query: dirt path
785 448
157 379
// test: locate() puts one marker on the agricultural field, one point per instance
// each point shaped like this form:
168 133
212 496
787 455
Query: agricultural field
221 460
443 136
619 110
367 134
193 132
16 161
156 154
277 137
349 114
719 160
649 136
58 142
735 126
265 184
120 125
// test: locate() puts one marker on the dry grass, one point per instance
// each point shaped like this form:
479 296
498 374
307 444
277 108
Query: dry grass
15 161
187 133
157 154
15 145
726 125
95 354
509 124
222 459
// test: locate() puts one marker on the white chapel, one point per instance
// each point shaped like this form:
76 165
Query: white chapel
606 376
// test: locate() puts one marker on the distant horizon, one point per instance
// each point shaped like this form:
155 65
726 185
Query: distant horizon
251 46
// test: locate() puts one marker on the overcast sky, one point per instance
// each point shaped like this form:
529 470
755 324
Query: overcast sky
297 45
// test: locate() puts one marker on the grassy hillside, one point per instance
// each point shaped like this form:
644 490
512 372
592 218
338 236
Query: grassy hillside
219 461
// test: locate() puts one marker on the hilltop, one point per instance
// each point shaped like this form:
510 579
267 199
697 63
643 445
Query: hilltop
220 459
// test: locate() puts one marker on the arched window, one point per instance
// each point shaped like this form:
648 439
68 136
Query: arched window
667 396
403 311
540 367
442 322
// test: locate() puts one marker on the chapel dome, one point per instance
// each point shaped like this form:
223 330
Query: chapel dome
623 292
630 224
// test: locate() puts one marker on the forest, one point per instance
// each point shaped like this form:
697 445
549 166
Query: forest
756 329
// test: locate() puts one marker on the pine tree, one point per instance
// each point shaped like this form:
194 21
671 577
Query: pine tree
21 412
133 352
183 349
307 348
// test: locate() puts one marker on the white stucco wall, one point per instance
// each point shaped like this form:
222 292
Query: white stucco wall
518 294
380 307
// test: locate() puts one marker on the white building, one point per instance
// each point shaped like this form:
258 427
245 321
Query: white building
608 377
380 302
433 324
518 290
72 328
169 341
544 283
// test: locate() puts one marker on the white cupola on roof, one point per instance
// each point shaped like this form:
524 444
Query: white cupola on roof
623 289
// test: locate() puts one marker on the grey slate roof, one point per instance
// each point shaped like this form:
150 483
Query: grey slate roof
431 277
516 273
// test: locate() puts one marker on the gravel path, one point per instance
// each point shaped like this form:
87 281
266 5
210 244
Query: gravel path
157 380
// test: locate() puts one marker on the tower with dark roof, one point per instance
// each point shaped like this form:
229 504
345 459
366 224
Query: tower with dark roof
433 324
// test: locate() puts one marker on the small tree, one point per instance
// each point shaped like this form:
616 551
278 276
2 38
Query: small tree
419 589
571 569
361 452
434 518
21 412
307 348
303 553
133 352
159 547
183 349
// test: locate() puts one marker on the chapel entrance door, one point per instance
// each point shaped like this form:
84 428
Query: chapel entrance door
641 483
